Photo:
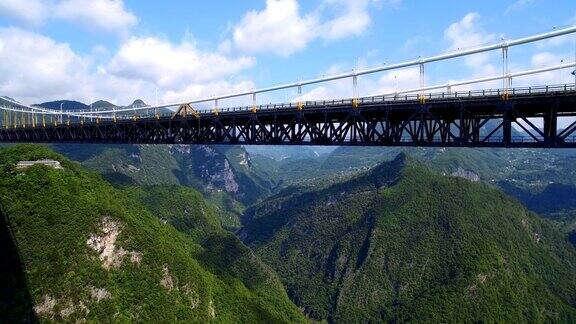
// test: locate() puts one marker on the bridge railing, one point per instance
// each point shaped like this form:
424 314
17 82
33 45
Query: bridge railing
22 118
550 89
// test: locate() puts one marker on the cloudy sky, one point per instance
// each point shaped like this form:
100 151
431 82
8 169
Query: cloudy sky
162 51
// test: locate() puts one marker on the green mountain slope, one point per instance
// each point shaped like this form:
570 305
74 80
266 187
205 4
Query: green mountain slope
540 179
402 243
225 174
88 251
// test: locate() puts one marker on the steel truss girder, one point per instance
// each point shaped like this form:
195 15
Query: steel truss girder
479 122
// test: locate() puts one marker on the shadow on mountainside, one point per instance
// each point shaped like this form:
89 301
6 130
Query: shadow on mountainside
16 305
553 202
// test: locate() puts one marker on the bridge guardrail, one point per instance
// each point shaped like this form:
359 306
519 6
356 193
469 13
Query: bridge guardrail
389 98
392 98
564 88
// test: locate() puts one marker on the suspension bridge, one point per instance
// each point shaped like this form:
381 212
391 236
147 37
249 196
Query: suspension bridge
434 116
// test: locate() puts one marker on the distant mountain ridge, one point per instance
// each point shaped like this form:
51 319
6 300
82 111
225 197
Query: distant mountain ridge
8 98
76 105
65 104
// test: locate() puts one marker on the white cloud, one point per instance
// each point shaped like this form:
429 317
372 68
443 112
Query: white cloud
394 81
283 30
197 90
559 41
386 83
317 93
30 12
39 67
179 71
108 15
57 73
172 66
352 20
544 59
517 5
466 34
461 35
280 29
225 47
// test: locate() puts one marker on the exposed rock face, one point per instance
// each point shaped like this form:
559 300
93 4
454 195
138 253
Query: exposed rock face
211 166
105 245
211 309
217 172
46 307
181 149
99 294
229 179
208 151
217 169
68 310
466 174
194 299
136 257
244 159
167 282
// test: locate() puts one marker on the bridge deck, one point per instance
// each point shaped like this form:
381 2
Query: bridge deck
485 118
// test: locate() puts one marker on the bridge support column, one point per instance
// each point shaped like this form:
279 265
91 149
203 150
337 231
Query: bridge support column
463 129
507 126
475 126
551 125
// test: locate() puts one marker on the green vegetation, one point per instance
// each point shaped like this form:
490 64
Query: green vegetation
543 180
141 165
402 243
353 238
224 174
90 251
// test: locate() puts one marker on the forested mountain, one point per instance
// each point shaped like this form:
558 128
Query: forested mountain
543 180
76 249
102 104
225 174
64 104
402 243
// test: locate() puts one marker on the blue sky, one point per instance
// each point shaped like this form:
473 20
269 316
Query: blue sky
122 50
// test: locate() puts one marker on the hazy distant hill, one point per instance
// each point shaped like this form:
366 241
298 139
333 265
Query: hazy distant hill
103 104
3 98
66 105
100 104
280 153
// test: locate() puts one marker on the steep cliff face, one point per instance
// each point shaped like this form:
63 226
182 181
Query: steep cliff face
211 167
206 168
220 168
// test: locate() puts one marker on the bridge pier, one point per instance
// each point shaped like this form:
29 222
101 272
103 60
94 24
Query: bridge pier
551 125
508 117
